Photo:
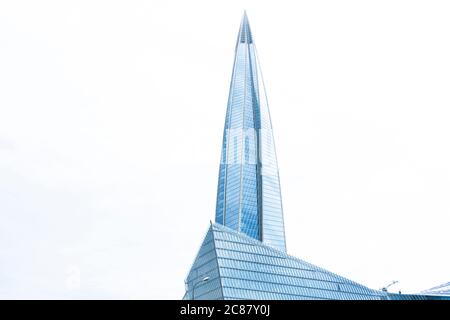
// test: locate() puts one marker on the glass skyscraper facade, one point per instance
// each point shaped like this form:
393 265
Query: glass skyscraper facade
248 195
243 255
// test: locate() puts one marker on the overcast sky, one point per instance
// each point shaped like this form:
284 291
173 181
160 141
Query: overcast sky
111 121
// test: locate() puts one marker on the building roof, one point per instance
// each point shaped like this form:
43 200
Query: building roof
443 289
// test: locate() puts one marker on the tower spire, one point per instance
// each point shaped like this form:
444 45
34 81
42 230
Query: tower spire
245 34
249 195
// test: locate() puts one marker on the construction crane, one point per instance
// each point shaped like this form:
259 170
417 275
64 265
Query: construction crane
384 289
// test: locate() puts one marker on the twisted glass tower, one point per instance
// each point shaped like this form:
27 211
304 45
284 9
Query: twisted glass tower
248 193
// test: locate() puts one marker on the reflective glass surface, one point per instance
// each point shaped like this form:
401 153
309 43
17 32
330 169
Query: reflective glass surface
249 195
240 267
243 255
443 289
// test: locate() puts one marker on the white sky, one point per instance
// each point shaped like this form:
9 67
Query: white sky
111 119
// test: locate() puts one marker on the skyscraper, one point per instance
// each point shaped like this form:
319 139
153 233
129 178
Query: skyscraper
248 195
243 255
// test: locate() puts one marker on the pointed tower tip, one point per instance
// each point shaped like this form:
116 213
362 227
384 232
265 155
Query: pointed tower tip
245 34
245 18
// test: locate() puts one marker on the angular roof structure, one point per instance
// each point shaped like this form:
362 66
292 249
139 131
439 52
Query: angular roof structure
240 267
237 266
443 289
